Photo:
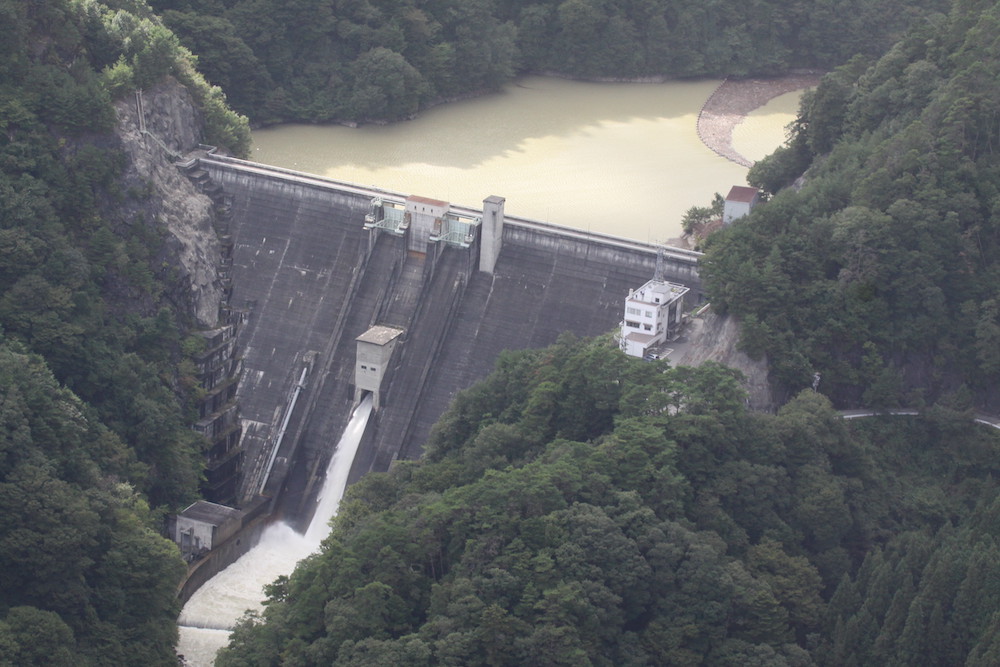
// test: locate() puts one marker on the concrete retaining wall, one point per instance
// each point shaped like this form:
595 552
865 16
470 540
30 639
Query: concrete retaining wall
679 265
299 270
224 555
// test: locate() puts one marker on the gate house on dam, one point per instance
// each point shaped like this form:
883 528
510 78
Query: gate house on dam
316 264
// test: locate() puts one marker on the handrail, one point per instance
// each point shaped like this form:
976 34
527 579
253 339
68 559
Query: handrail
677 254
978 417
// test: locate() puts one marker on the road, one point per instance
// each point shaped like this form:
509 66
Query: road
979 417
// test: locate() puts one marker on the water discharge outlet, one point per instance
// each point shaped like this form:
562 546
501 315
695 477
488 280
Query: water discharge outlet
214 609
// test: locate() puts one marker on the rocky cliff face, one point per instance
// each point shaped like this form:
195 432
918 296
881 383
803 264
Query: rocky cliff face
711 337
173 128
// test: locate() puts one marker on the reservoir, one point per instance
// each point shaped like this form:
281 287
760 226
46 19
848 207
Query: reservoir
763 129
617 158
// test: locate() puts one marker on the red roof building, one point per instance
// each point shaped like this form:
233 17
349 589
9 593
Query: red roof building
739 202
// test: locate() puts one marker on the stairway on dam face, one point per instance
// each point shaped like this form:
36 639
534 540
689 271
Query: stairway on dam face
534 296
329 411
402 299
425 345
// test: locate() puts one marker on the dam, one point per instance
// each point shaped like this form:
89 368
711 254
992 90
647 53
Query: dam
315 265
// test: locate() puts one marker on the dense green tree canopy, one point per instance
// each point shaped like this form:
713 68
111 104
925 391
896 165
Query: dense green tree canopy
94 396
311 60
881 271
581 507
87 580
81 281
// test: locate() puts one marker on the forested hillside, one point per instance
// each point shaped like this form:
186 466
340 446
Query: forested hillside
317 60
581 507
881 273
94 379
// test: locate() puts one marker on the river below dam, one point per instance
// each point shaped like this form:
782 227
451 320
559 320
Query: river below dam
216 607
616 158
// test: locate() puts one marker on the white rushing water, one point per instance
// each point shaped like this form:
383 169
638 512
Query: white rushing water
213 610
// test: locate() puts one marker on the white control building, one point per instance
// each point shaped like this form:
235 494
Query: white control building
653 314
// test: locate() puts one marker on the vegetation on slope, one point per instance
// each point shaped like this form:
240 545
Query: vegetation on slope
94 389
562 514
315 61
87 580
881 272
581 507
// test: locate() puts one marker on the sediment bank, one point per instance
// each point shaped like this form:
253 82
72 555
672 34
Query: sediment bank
733 100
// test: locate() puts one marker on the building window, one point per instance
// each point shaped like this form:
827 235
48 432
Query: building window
647 327
363 367
633 311
630 323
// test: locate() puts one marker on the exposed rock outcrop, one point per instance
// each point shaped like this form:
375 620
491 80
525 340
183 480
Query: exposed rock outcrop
173 127
713 337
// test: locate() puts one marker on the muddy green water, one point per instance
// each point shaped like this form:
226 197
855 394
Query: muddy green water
765 128
619 158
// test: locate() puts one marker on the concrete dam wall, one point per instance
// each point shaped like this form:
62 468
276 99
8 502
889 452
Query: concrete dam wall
309 277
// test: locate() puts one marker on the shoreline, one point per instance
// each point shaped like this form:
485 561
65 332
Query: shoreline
726 108
733 100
